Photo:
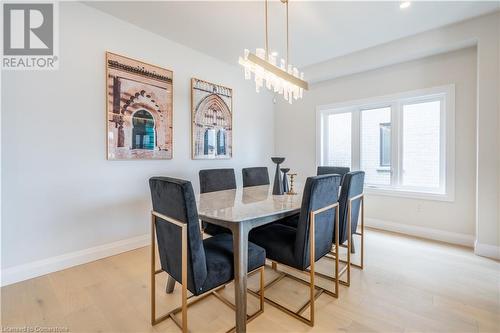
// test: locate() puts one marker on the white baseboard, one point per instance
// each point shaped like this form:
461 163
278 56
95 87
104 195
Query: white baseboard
487 250
41 267
429 233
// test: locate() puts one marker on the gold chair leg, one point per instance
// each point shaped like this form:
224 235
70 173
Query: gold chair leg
315 292
333 255
337 241
260 295
312 258
349 245
262 269
362 231
295 314
184 281
153 272
349 239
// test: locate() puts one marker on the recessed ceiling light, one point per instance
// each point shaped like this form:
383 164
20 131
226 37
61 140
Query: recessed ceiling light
405 4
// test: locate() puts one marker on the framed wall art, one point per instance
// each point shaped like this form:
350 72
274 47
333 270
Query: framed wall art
212 120
139 102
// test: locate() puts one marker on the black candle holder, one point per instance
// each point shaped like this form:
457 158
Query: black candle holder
285 179
278 181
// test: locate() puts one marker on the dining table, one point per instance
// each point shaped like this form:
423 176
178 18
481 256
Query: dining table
240 210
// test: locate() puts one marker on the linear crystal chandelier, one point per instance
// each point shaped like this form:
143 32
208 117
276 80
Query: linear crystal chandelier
282 77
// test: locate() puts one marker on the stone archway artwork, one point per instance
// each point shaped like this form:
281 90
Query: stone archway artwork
212 120
139 109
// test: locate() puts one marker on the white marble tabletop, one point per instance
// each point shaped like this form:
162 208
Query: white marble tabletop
246 203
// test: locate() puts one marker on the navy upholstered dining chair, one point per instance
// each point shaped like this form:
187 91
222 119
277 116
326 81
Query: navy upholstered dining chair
201 266
301 247
212 180
255 176
351 203
321 170
329 170
351 206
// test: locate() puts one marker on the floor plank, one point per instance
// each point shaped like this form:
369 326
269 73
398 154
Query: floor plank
408 285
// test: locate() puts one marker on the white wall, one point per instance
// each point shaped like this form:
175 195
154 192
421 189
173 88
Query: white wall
451 68
60 194
484 32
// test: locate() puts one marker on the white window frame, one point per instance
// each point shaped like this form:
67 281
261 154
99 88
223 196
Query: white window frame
446 94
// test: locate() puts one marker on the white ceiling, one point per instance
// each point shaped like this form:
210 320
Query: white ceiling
318 30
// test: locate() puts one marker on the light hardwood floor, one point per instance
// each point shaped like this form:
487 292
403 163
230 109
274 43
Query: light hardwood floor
408 285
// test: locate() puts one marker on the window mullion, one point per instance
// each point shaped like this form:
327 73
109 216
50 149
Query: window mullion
443 146
325 128
396 144
356 140
400 144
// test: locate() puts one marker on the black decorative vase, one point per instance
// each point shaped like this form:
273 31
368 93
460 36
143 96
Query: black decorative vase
285 179
278 181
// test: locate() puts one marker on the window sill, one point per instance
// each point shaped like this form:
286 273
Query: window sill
401 193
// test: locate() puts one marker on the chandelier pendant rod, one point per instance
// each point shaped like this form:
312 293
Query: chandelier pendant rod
267 32
287 38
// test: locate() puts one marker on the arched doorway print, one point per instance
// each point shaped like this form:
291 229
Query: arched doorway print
143 131
212 128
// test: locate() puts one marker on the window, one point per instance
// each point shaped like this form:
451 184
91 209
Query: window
403 142
339 150
385 145
370 145
421 157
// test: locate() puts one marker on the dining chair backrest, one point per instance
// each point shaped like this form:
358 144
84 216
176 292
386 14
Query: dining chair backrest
319 192
175 199
329 170
352 185
212 180
255 176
